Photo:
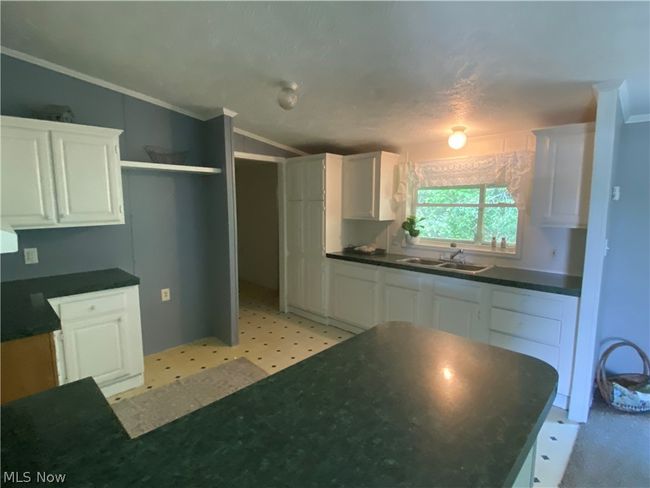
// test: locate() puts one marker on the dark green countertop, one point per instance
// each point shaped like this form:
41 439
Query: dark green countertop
397 405
515 277
25 311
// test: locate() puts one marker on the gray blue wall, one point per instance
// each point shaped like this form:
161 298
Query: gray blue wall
625 295
172 237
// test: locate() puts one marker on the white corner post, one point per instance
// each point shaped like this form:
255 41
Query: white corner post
608 122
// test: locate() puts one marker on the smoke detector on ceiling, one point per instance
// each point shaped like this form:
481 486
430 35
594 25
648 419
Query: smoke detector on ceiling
288 96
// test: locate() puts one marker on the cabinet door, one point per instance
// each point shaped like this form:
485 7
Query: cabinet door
98 347
314 179
295 253
294 179
26 175
401 304
403 297
314 254
455 316
359 187
354 296
563 179
314 228
314 285
295 283
88 178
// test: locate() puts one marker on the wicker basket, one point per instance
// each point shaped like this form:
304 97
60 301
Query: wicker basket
162 155
626 392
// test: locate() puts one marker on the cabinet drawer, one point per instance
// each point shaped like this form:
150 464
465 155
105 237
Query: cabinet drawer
539 329
529 304
402 279
357 271
90 307
548 354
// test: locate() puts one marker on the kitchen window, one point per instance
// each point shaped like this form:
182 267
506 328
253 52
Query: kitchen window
469 215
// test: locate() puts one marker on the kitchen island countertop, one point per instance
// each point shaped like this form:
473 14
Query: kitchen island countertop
397 405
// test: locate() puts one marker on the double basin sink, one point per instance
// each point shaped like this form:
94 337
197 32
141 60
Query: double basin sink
446 265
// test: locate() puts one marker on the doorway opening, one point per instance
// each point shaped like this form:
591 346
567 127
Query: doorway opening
258 235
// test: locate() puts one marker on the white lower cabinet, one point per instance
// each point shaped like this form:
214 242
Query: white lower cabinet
538 324
455 316
354 294
101 337
541 325
403 297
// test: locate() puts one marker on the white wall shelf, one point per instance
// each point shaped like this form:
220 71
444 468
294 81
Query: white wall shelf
179 168
258 157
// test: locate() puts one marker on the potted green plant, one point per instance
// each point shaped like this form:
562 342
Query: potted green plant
411 231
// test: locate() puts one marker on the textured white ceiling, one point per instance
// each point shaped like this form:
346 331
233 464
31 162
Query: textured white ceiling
370 74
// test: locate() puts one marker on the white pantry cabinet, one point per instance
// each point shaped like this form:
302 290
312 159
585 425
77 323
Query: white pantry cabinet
309 213
101 337
369 185
562 181
59 175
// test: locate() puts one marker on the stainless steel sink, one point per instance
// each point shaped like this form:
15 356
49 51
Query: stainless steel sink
421 261
447 265
465 268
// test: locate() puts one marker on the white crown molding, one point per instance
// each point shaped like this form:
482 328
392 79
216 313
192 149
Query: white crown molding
224 111
258 157
245 133
637 118
624 100
97 81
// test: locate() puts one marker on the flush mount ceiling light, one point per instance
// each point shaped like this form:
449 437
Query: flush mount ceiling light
288 96
458 138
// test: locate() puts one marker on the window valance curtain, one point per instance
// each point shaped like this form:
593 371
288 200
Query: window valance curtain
513 170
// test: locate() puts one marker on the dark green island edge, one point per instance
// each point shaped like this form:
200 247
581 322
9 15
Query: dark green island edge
397 405
515 277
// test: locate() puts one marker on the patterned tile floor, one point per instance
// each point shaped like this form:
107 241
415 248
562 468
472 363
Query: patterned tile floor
554 445
268 338
274 341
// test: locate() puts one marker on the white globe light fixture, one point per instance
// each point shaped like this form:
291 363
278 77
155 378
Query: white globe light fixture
288 96
458 138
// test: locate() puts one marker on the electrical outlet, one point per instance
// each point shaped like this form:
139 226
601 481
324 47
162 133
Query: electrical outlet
165 295
31 255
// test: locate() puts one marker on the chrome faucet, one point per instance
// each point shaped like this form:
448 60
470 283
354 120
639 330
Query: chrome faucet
454 254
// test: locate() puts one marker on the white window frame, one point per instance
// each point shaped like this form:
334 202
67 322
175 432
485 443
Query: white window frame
476 246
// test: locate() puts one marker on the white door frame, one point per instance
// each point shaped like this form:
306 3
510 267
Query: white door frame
608 122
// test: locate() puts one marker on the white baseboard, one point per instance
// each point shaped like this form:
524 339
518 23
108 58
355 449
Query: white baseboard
123 385
324 320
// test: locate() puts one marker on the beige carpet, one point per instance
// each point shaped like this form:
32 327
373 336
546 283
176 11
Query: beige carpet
148 411
612 450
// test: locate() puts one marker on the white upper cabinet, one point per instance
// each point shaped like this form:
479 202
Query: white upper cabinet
59 175
27 181
562 182
368 186
88 178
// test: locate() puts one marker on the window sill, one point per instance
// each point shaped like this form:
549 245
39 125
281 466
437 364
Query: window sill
508 253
